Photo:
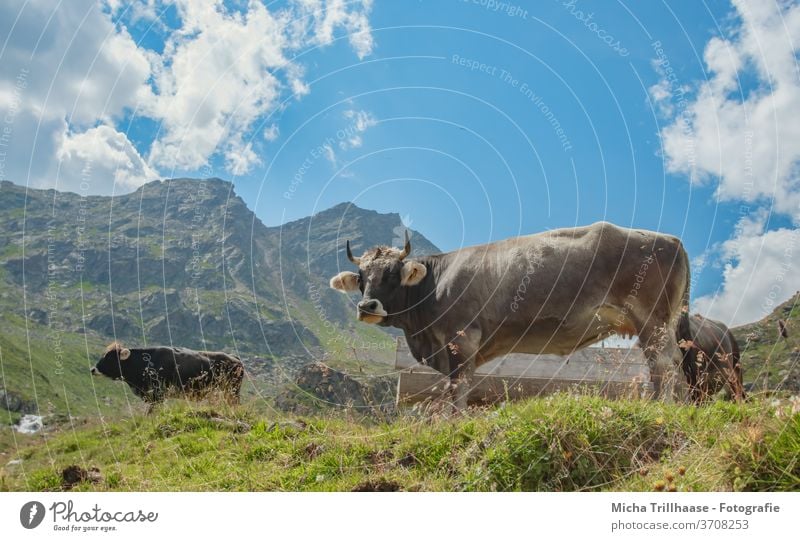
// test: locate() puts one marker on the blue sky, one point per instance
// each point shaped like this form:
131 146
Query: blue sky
477 120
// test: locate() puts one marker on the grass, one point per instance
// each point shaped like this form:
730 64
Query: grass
561 442
52 369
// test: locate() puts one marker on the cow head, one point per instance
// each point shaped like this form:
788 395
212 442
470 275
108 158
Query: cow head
110 365
382 273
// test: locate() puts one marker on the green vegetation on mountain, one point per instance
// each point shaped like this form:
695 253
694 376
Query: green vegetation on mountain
769 360
185 262
181 262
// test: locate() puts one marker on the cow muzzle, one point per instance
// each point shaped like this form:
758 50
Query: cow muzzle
94 371
371 311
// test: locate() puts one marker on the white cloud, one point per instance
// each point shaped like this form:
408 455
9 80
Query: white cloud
272 133
661 94
749 146
240 158
330 155
83 69
360 121
217 78
225 69
220 72
99 154
360 34
742 137
66 65
761 271
325 16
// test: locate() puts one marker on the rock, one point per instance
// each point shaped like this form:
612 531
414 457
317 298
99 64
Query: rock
380 485
313 450
115 325
319 386
14 402
239 427
73 475
39 316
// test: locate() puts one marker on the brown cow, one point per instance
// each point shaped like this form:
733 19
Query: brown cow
552 292
711 360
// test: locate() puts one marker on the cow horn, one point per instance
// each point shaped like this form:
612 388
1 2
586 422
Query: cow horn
407 248
355 260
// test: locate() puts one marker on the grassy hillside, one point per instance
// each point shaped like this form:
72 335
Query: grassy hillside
556 443
181 262
52 370
770 361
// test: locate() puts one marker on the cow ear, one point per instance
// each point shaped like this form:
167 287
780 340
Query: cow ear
412 273
124 353
345 281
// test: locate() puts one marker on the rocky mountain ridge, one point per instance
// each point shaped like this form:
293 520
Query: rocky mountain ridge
182 262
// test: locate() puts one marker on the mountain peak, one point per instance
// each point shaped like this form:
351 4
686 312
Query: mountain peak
324 235
185 183
349 208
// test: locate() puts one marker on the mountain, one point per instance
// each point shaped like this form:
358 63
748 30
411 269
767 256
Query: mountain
319 239
181 262
186 262
770 361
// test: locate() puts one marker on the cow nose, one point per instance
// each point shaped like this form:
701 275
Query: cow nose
368 306
94 371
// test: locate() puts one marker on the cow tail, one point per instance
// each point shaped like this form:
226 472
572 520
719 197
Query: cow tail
688 360
687 288
683 328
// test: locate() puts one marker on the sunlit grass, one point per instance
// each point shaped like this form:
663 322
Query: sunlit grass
556 443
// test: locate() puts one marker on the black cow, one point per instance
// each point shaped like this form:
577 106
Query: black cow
153 372
710 358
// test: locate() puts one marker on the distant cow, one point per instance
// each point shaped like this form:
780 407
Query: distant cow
151 373
552 292
782 332
711 360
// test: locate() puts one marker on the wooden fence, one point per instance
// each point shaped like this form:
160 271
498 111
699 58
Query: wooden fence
613 372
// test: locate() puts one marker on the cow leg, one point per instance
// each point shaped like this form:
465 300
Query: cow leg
461 378
151 406
689 366
732 373
232 393
437 357
232 397
463 351
737 384
663 358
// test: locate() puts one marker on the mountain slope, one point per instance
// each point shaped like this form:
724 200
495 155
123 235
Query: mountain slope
769 360
181 262
319 240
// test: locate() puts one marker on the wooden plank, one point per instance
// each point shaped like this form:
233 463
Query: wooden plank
611 372
516 361
416 386
540 366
